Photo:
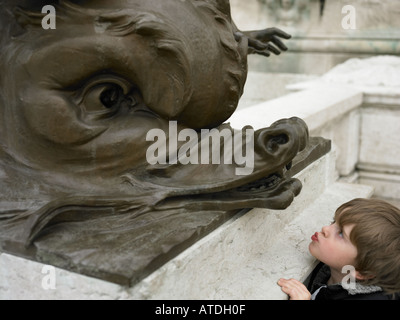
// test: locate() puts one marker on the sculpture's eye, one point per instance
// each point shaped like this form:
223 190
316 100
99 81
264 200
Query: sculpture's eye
104 99
111 97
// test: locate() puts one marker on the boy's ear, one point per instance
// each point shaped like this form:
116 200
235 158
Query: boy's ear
362 277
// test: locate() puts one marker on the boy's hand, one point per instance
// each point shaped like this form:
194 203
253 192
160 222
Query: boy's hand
294 289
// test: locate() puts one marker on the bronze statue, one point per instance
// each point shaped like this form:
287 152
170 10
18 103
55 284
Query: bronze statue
76 104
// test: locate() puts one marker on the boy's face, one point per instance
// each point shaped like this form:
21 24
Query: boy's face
333 247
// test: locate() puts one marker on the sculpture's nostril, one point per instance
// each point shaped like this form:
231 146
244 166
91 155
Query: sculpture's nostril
274 143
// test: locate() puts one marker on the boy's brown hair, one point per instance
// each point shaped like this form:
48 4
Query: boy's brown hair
376 235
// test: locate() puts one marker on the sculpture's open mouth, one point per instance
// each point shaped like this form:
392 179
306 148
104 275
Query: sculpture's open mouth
277 191
263 184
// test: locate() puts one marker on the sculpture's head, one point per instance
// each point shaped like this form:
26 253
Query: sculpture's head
77 101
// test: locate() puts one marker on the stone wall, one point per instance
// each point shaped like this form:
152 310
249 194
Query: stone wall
370 154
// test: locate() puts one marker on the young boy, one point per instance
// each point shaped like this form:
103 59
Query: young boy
365 238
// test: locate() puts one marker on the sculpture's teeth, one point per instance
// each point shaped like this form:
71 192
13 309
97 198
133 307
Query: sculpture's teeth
261 184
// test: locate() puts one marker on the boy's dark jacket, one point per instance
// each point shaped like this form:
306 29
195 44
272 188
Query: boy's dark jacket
320 276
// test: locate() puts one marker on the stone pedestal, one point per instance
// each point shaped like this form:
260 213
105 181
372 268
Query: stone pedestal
242 259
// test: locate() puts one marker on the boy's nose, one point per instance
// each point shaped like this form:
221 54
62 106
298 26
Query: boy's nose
325 231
